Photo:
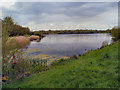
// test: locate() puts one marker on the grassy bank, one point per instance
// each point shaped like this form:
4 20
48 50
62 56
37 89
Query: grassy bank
95 69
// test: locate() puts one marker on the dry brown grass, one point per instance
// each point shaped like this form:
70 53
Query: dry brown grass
34 37
19 41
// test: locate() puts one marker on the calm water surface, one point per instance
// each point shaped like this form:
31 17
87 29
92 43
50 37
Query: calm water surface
68 44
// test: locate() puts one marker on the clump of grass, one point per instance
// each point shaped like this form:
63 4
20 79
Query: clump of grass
57 62
74 56
79 55
106 55
61 60
104 44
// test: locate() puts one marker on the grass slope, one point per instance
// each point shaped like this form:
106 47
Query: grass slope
96 69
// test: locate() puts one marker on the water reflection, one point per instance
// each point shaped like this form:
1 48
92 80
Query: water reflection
69 44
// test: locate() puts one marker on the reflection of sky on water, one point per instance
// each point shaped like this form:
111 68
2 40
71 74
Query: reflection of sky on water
69 44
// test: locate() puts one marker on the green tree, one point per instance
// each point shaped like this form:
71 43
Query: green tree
115 33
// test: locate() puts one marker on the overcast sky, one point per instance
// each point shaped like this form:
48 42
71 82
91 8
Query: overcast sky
62 15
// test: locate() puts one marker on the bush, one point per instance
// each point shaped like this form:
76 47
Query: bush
115 33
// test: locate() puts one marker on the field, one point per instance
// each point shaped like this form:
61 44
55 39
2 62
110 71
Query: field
94 69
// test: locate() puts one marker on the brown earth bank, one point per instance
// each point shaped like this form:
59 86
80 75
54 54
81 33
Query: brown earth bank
34 37
21 41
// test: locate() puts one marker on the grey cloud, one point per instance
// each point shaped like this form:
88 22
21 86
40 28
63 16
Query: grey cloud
68 8
59 12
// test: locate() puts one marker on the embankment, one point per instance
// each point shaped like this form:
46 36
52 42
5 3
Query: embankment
95 69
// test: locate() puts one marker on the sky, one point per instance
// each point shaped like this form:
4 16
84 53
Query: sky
62 15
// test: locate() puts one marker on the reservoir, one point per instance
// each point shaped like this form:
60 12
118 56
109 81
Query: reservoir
66 45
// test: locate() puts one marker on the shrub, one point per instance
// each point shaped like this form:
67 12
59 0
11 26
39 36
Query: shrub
115 33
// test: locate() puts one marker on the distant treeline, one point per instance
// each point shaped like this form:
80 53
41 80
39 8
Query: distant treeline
74 31
11 29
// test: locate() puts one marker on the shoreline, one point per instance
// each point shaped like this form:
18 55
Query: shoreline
84 65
